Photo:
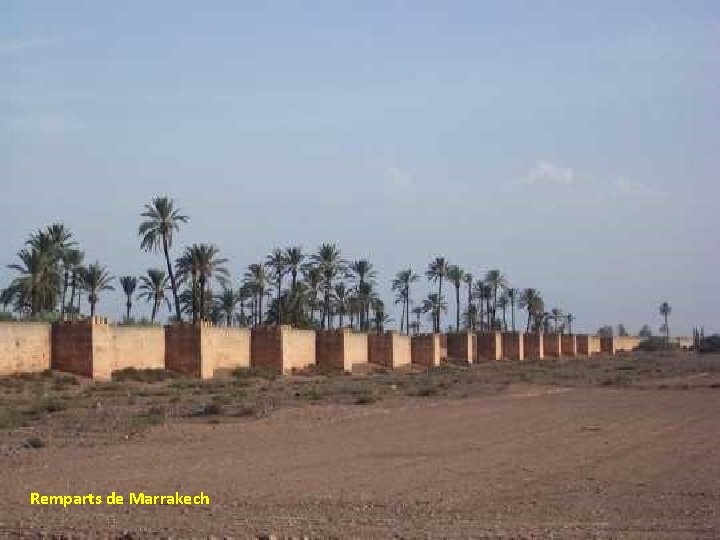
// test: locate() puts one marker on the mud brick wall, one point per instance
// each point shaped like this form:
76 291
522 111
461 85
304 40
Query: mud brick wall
425 350
626 343
341 349
72 347
139 347
568 344
489 346
298 348
587 345
513 345
534 345
223 349
607 344
182 349
24 347
551 345
389 349
443 347
461 346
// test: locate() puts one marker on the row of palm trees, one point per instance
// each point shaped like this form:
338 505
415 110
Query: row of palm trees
321 289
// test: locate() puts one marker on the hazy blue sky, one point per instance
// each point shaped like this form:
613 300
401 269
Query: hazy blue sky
574 144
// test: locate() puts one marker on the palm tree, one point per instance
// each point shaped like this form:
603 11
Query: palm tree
665 311
200 263
401 284
557 315
502 303
153 287
363 273
569 318
512 298
35 288
95 280
530 299
312 278
128 284
341 296
456 275
256 280
434 304
277 263
437 270
496 281
294 258
162 220
469 282
227 300
418 311
330 264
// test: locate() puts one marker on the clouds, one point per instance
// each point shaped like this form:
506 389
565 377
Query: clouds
545 172
398 178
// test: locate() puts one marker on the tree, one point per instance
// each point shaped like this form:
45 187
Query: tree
227 300
277 263
153 286
96 279
363 276
201 263
496 281
255 280
74 259
418 311
128 284
294 258
341 296
512 294
621 330
329 262
434 304
570 318
665 311
606 331
162 220
469 282
401 284
436 272
502 303
645 331
456 275
531 300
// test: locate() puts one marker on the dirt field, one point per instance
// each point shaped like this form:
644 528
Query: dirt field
626 447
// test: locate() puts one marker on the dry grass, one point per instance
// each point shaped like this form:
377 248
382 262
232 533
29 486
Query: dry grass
60 409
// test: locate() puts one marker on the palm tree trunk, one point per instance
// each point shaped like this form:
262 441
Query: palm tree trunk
279 304
407 310
64 293
512 314
172 279
527 329
437 313
202 297
457 307
260 306
129 307
92 308
154 309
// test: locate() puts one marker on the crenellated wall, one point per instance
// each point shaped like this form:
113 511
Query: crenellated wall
489 346
223 349
534 345
389 349
24 347
551 345
568 344
425 350
341 349
587 345
513 345
282 349
462 346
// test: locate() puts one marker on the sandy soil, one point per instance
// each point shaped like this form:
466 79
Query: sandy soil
533 462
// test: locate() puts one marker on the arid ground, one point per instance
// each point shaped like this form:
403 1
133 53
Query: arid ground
625 447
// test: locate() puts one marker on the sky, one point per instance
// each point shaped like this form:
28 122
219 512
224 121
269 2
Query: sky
573 145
